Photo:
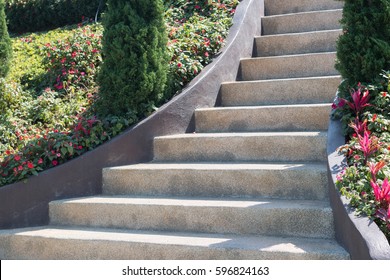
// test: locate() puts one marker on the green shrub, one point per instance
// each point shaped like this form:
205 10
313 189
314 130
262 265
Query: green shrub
37 15
365 181
5 43
363 51
135 58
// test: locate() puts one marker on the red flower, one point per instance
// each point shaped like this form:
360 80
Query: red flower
54 162
30 165
17 157
197 7
179 65
8 152
20 168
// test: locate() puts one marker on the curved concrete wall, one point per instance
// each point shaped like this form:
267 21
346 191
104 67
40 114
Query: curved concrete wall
26 204
360 237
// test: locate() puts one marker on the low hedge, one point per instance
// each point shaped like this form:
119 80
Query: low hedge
38 15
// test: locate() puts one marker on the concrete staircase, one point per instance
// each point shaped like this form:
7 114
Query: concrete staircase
250 183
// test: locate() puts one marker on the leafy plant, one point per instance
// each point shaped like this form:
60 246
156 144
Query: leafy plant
134 71
363 50
5 44
39 15
365 180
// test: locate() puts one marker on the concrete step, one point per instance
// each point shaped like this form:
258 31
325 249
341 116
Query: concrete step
280 91
86 243
296 43
300 218
288 66
275 7
259 146
245 180
301 22
301 117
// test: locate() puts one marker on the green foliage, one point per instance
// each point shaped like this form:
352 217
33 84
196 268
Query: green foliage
45 121
363 51
5 44
197 31
38 15
134 71
365 181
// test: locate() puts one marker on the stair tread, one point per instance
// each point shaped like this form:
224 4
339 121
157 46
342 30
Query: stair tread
297 34
281 80
304 13
232 108
289 56
245 134
294 245
220 166
273 7
264 203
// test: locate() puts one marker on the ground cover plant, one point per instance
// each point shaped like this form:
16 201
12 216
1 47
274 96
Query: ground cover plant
365 181
48 98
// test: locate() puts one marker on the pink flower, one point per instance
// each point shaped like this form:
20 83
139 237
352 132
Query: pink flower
40 161
59 86
197 7
382 193
54 162
17 157
359 99
20 168
30 165
375 167
206 54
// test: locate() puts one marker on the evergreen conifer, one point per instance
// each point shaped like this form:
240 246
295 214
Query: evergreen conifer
5 43
135 56
363 51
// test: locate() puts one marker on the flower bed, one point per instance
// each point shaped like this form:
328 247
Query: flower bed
365 116
49 116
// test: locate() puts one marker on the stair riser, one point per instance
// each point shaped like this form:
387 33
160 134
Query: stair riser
313 42
305 22
293 118
40 248
289 183
248 148
206 219
275 7
299 91
282 67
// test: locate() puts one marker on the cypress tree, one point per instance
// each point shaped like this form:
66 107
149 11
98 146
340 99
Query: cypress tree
363 51
5 43
135 56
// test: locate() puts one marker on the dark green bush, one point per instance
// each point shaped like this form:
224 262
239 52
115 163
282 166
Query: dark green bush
363 51
5 43
37 15
135 59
